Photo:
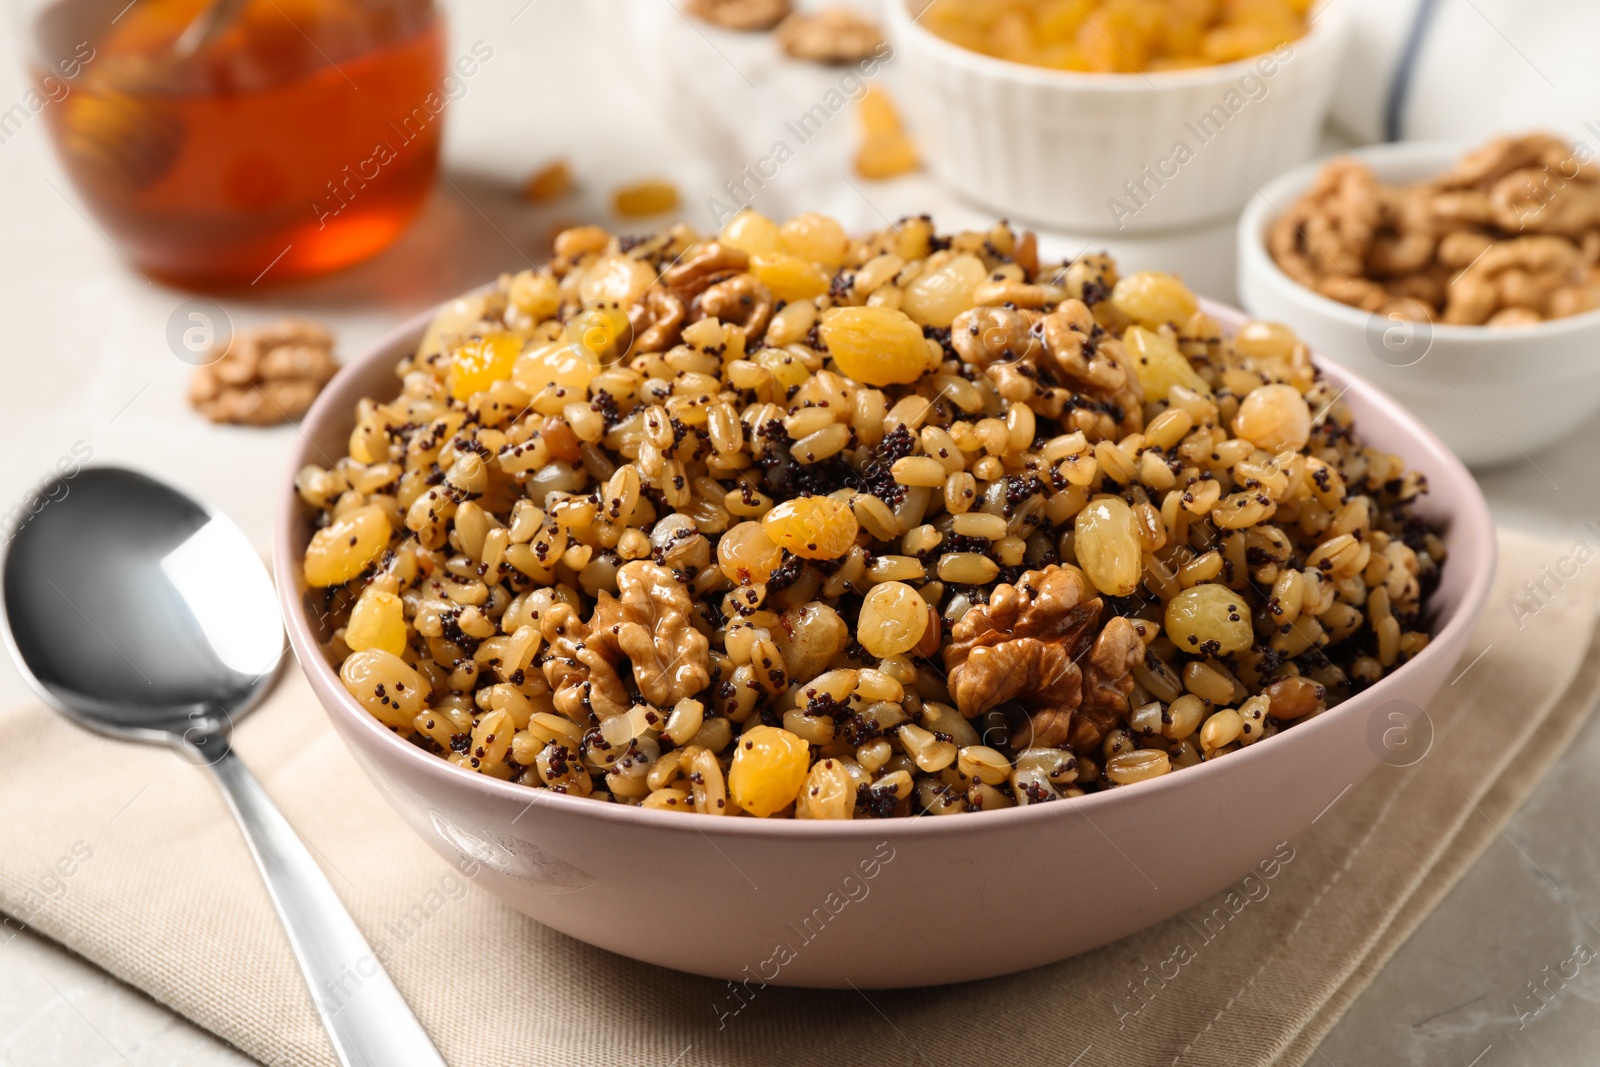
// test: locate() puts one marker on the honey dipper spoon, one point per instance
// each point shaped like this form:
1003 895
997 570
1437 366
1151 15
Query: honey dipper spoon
118 126
207 26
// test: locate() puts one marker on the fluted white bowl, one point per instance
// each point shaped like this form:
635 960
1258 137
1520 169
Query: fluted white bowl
1101 153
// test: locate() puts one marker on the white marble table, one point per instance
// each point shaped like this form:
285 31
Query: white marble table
88 366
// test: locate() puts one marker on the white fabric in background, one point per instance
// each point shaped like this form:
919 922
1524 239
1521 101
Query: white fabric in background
1484 67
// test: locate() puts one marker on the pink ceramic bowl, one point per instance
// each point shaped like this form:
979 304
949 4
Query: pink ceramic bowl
898 902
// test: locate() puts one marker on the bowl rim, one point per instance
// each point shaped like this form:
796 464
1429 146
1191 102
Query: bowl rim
1467 512
1288 186
1320 32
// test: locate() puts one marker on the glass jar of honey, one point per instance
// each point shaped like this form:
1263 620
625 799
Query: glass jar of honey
223 143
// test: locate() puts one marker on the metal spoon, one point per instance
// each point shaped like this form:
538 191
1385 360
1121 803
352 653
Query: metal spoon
136 612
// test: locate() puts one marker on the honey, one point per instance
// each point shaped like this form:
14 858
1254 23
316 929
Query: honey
303 138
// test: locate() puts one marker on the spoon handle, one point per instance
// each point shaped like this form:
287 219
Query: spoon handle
208 25
367 1020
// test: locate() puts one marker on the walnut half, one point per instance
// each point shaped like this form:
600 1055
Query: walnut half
1036 642
647 625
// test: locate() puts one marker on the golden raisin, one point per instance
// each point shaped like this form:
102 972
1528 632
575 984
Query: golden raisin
893 619
650 197
747 555
877 112
817 238
342 549
1265 340
886 151
1153 299
615 281
1118 36
752 233
886 155
769 767
812 527
1159 365
385 685
1107 543
936 297
1274 417
790 277
876 345
567 366
478 364
548 183
377 621
1209 613
535 294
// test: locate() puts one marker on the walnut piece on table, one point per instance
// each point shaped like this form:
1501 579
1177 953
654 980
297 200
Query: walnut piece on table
1037 642
832 35
744 15
266 375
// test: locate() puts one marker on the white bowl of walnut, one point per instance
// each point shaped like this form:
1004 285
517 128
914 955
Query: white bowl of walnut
1462 280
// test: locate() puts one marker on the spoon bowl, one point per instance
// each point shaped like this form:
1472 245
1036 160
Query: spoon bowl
137 612
147 617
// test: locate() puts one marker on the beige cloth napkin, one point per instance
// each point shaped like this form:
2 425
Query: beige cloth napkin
127 855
